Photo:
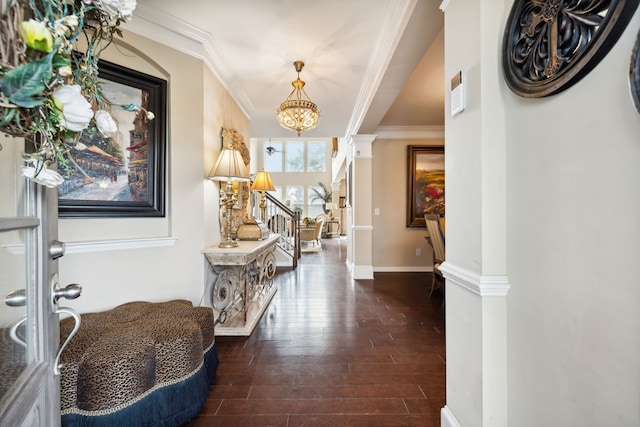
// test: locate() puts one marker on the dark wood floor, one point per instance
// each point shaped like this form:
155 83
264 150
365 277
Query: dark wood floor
330 351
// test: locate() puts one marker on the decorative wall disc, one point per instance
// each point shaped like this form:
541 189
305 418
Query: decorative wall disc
634 74
549 45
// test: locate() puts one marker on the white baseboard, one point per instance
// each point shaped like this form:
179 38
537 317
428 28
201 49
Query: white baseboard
362 272
447 419
402 269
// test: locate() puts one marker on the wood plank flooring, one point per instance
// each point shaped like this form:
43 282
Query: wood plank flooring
331 351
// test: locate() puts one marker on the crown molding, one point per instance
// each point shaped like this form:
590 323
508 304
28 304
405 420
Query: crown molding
191 40
410 132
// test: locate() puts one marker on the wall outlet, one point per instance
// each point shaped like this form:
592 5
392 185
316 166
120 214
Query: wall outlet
418 251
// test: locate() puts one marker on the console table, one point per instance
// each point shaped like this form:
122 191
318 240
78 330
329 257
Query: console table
240 284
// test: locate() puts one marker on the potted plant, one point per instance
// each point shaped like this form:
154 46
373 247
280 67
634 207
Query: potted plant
322 194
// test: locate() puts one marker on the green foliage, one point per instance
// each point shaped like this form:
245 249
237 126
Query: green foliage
24 85
323 194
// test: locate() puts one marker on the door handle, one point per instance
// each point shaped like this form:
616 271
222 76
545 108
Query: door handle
17 298
71 291
13 332
76 326
56 249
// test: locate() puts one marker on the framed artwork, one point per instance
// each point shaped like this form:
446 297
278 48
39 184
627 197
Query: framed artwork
549 46
425 183
121 175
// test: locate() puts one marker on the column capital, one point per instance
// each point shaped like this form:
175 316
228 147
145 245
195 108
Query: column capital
361 145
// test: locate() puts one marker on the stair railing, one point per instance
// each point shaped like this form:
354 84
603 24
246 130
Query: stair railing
284 221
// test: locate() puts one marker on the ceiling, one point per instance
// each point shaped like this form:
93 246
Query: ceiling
368 63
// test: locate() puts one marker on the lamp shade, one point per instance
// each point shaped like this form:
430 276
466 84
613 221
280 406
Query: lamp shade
229 166
263 182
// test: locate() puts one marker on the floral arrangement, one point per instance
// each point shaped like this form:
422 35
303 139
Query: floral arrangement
48 91
308 221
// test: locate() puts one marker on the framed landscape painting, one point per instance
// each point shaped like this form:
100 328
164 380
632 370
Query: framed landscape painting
425 183
123 174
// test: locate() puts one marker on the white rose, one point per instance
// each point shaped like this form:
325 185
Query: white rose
117 8
75 109
65 70
150 115
106 125
46 177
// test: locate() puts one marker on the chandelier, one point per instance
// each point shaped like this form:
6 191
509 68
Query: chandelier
297 113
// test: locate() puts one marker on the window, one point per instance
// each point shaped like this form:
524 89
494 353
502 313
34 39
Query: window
295 195
294 157
314 206
316 157
273 156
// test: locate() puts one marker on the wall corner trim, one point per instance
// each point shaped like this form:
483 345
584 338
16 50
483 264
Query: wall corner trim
485 286
118 245
447 419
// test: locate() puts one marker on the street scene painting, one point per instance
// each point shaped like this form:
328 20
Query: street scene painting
426 184
122 173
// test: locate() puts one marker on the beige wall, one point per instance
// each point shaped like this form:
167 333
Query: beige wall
395 244
198 107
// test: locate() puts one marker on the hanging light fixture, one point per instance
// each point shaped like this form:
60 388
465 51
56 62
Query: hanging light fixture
297 113
270 149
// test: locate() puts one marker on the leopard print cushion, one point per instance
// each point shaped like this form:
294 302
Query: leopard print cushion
120 355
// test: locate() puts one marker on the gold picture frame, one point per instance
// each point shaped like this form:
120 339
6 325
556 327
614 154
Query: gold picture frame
425 183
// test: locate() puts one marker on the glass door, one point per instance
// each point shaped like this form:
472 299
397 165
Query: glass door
29 389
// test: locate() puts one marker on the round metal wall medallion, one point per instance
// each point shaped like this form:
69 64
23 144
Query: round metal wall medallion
549 45
634 74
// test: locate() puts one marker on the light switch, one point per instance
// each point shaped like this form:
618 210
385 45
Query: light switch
376 211
457 94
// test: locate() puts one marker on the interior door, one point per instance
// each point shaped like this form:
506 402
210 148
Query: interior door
29 388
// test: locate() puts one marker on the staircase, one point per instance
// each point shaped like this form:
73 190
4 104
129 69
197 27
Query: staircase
285 222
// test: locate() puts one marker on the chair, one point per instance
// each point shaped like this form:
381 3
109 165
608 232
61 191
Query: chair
436 240
312 233
325 222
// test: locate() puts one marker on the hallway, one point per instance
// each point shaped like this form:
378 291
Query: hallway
330 351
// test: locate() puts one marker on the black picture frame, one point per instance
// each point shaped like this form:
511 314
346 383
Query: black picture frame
142 162
425 183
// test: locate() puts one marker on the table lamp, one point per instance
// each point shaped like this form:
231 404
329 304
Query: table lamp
229 168
263 183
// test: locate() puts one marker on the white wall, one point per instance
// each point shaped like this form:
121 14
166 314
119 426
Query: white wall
569 239
198 107
574 239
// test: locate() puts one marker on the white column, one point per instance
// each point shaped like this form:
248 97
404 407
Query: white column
475 267
361 212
